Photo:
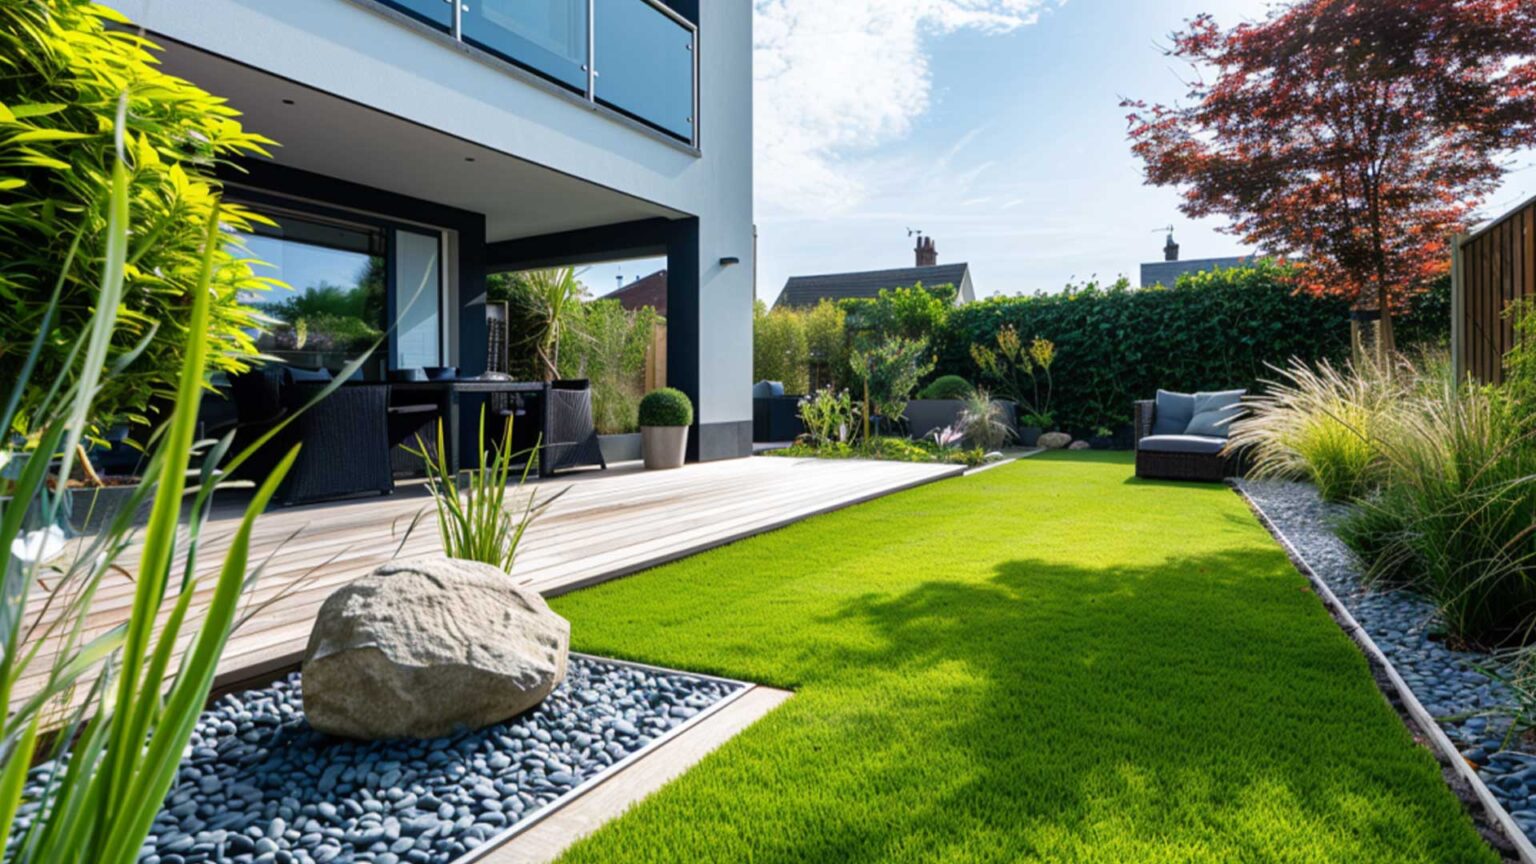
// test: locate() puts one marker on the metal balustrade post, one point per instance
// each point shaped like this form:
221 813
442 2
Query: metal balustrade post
591 50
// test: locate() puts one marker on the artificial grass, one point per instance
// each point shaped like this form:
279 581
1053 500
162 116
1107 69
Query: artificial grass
1045 661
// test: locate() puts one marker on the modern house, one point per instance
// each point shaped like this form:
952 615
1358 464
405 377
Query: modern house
1168 270
427 143
805 291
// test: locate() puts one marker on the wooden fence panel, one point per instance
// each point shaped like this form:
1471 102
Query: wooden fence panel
1495 267
656 360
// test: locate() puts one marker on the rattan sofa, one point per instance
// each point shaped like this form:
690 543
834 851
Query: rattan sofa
1164 454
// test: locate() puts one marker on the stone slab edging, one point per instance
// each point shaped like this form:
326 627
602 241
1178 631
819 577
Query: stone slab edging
496 841
1006 460
1426 722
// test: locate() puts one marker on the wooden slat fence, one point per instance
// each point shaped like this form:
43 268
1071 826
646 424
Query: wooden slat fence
1492 268
656 359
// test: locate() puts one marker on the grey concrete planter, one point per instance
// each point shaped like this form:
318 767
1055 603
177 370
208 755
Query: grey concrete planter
664 446
620 448
926 415
91 510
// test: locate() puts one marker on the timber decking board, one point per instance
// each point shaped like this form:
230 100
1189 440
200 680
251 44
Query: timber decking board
608 525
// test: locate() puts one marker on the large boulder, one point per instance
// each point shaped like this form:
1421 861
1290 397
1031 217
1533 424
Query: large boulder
426 648
1054 440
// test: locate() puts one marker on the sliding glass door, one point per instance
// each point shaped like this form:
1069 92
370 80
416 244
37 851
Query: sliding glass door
328 302
339 287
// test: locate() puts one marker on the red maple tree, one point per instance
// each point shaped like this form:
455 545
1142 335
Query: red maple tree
1354 136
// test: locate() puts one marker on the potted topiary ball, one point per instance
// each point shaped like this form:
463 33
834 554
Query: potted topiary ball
665 416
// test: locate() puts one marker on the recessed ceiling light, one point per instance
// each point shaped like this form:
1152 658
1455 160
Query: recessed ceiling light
287 101
469 158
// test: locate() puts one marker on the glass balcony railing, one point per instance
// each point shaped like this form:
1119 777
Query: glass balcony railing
438 13
645 64
635 57
550 37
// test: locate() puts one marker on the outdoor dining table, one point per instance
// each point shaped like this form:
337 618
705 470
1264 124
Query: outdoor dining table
448 393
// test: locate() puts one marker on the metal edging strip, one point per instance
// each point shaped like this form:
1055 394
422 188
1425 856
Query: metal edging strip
496 841
1442 742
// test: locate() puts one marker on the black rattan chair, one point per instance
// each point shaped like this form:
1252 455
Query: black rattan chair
572 434
345 440
412 426
1166 458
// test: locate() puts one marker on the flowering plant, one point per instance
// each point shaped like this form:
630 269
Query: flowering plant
828 416
1016 369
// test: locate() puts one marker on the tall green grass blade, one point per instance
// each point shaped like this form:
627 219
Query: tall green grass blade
104 321
192 686
12 779
160 534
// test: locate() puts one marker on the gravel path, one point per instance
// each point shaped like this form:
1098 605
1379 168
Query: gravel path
260 787
1402 624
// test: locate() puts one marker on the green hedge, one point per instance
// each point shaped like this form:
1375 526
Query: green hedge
1114 345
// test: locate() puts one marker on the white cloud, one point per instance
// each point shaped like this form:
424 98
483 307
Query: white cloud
837 78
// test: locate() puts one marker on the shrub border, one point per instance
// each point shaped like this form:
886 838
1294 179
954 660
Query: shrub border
1402 697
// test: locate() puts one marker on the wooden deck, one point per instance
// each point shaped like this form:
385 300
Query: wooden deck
609 524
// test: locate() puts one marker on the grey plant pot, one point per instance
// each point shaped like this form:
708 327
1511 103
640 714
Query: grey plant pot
620 448
1029 436
664 446
91 510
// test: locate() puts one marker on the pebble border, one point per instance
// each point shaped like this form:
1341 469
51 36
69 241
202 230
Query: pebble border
1296 517
259 786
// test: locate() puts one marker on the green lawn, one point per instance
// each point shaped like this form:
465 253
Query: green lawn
1046 661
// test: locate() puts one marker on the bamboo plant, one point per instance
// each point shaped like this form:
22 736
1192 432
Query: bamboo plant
115 747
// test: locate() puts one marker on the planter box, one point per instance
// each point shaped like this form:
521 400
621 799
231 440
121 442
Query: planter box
620 448
926 415
91 510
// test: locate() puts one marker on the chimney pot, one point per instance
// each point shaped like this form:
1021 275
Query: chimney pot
1170 249
927 254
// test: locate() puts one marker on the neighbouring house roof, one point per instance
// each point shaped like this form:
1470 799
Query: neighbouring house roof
810 290
1168 272
650 291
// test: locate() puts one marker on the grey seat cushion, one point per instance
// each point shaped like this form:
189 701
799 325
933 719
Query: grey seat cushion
1202 444
1173 412
1214 413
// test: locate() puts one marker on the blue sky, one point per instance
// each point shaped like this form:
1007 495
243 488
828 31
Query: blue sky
992 125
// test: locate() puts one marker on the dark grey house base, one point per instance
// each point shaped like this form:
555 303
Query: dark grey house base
713 441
